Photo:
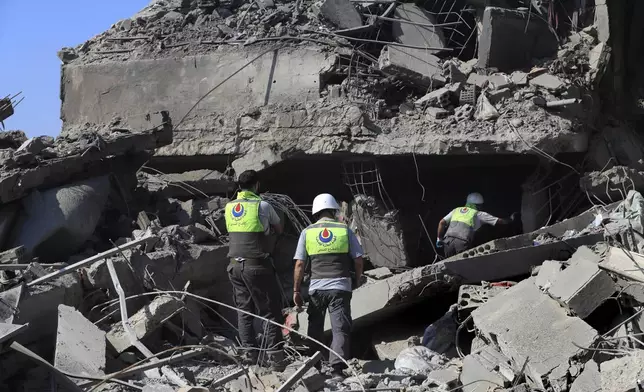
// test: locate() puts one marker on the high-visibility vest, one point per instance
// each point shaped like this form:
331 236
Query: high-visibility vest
244 227
461 225
327 246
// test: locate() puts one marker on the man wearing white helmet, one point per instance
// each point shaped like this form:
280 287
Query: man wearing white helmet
333 252
456 230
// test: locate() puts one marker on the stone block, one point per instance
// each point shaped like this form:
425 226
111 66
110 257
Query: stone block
390 350
80 345
439 97
54 223
527 323
511 39
627 264
499 81
144 322
548 273
519 78
341 13
496 96
547 81
589 380
582 287
477 80
379 273
414 34
436 113
33 145
623 374
413 66
448 377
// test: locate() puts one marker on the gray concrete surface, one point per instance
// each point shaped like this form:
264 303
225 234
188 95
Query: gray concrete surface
621 374
548 273
510 40
416 35
582 287
189 184
144 322
527 323
416 66
476 368
341 13
80 345
588 380
53 224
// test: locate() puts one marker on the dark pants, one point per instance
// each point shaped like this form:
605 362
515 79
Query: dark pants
255 290
339 305
454 246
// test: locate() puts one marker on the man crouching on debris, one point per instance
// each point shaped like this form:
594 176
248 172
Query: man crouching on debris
249 221
461 224
333 252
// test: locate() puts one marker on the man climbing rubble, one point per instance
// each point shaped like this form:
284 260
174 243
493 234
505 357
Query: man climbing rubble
250 221
462 223
333 252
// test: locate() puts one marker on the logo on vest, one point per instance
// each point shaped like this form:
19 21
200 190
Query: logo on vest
326 237
464 210
238 211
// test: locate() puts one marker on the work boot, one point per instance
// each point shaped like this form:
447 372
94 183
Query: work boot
337 373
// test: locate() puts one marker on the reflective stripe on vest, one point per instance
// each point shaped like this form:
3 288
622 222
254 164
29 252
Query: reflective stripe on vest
327 245
245 229
242 215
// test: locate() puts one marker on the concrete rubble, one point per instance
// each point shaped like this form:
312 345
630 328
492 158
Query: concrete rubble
113 243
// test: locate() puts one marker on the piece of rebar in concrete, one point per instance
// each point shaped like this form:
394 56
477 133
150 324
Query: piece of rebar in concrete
300 372
236 374
88 261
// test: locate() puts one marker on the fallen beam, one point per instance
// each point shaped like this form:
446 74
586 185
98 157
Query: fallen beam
300 372
15 267
91 260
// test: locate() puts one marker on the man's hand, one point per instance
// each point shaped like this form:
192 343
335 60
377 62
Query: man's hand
515 216
439 243
297 299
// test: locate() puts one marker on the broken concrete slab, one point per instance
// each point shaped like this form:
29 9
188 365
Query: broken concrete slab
53 224
416 34
436 113
519 78
602 20
341 13
547 81
81 163
189 184
511 39
379 273
623 374
471 297
499 81
439 97
9 331
611 184
80 345
589 380
390 350
625 263
413 66
598 59
380 232
479 375
527 323
447 377
144 322
582 287
548 273
477 80
39 305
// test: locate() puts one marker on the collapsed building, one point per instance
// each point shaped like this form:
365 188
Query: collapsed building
113 263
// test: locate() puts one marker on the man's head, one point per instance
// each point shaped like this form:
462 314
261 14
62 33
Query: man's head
475 200
248 181
324 205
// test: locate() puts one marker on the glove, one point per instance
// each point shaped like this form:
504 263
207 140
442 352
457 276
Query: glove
439 243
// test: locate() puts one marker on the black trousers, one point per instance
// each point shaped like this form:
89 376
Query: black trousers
255 290
339 305
454 246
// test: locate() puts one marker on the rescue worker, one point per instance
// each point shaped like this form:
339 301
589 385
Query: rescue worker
250 221
333 252
456 230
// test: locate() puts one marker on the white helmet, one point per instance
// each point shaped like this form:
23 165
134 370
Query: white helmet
324 201
475 198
